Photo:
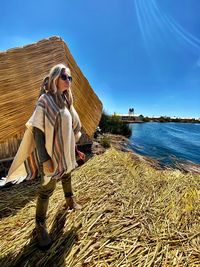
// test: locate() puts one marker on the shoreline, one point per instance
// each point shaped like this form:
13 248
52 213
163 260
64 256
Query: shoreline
122 143
158 121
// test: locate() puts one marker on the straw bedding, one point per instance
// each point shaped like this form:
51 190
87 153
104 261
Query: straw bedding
133 215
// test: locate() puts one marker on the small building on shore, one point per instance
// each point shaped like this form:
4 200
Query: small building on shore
129 118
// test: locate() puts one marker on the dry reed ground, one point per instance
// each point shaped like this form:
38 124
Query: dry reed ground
133 215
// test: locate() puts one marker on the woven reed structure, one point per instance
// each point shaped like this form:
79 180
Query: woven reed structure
21 73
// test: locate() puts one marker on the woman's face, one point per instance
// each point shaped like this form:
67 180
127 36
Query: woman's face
64 80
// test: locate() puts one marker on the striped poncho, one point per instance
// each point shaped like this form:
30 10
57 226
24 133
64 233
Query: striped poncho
62 130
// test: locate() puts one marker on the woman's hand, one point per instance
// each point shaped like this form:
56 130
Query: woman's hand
48 166
81 155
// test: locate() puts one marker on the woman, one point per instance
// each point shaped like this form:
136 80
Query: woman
55 126
56 129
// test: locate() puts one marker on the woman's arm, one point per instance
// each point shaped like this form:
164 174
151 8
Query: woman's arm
40 144
44 157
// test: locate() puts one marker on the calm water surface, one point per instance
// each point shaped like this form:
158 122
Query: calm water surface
167 142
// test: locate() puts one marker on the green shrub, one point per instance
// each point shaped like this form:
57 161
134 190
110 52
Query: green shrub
114 125
105 141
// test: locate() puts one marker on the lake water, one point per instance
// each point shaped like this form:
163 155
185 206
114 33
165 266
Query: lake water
167 142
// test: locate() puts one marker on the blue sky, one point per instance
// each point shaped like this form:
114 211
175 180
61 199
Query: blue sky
141 54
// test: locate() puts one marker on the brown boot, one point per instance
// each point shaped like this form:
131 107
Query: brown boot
71 204
43 237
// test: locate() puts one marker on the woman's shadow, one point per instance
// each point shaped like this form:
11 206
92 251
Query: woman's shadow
32 255
20 194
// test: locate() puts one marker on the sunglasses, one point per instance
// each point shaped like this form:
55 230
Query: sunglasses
65 77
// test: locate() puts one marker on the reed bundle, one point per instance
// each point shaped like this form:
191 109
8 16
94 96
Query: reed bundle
133 215
21 73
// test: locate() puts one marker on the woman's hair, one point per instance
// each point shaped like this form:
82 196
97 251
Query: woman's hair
49 85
